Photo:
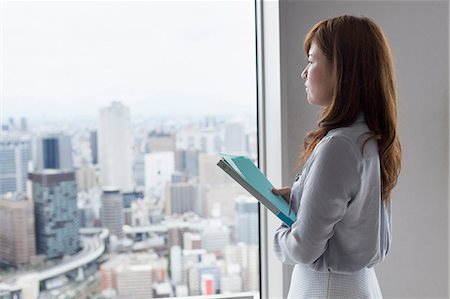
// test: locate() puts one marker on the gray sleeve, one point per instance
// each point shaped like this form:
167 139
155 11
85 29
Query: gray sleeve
330 184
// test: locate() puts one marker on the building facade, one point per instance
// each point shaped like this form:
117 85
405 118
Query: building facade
15 153
17 236
56 213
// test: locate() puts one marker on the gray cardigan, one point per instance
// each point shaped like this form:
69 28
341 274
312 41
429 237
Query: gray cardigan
342 225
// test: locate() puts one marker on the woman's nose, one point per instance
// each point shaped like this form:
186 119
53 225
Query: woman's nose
304 74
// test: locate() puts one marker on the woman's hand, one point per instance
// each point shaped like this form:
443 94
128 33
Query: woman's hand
285 192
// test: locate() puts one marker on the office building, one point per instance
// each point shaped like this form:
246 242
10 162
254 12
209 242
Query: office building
134 281
15 153
218 200
210 173
53 151
17 236
160 142
94 147
215 237
247 224
206 140
176 265
86 178
247 258
139 170
192 241
235 138
231 284
159 167
129 197
133 275
186 161
182 198
111 212
114 146
56 212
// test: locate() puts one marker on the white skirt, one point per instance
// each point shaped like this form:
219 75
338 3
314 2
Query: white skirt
309 284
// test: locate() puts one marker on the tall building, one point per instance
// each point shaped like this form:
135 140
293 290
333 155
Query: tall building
210 173
86 178
182 198
186 161
15 153
215 237
111 212
220 197
94 147
158 171
17 237
114 147
176 265
235 142
139 170
53 151
247 257
56 212
247 220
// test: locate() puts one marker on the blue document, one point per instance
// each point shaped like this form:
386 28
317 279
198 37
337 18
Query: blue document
243 171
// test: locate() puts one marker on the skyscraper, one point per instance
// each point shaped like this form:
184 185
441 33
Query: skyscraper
54 151
112 211
15 152
183 197
247 220
94 147
17 237
158 171
114 147
235 138
56 212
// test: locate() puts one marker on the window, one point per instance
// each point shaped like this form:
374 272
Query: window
118 110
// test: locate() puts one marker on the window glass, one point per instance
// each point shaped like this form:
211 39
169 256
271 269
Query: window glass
112 117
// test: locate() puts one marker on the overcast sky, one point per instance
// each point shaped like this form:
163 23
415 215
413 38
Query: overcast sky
63 59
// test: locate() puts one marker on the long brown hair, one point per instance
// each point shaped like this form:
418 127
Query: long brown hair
364 80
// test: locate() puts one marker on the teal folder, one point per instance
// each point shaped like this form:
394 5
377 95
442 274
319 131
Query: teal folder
243 171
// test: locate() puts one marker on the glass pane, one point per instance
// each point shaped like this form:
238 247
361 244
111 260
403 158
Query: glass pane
112 117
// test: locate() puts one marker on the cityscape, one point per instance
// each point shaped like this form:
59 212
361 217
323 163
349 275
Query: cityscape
126 207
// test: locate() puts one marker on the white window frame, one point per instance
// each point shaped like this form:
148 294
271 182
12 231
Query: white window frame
272 145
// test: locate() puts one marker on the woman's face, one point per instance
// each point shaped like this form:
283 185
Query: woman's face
317 76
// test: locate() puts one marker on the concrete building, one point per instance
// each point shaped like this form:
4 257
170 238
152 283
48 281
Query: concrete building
134 281
158 171
114 147
133 275
247 224
111 212
17 236
235 142
182 198
215 237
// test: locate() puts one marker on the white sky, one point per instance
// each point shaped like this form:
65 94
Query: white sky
64 59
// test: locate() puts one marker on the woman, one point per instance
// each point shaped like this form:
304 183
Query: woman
351 163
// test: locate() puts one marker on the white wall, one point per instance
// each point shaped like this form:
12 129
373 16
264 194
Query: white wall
418 264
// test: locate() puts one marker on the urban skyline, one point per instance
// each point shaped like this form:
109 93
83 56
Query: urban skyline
187 208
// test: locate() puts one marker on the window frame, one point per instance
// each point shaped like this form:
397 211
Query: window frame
272 136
